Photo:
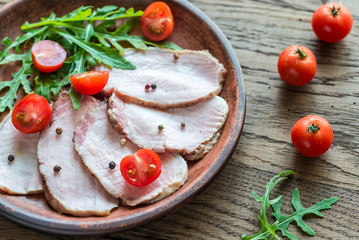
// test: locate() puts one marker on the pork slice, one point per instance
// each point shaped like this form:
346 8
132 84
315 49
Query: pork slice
20 176
72 190
185 130
182 77
98 145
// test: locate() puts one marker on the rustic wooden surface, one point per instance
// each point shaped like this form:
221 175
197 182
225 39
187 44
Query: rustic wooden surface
259 30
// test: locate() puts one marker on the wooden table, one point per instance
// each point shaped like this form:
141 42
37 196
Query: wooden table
259 31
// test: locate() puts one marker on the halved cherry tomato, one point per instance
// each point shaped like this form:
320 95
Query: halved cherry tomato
89 83
332 22
157 21
142 168
47 56
297 65
32 114
312 135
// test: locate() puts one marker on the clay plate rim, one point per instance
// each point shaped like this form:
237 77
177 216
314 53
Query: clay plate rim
234 93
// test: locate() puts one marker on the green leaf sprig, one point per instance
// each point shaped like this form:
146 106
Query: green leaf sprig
268 231
88 43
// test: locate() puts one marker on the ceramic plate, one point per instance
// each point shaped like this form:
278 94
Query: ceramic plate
193 30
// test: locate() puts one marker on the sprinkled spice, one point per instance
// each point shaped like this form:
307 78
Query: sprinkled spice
11 158
160 127
148 86
153 86
58 130
112 165
57 168
123 141
176 56
183 124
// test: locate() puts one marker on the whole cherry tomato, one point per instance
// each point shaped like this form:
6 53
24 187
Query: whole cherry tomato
297 65
142 168
32 114
89 83
312 135
332 22
47 56
157 21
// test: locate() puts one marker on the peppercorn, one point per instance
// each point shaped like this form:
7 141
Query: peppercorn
153 86
11 158
57 168
58 130
148 86
176 56
123 141
112 165
160 127
183 124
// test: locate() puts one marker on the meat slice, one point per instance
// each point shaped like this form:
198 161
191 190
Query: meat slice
72 189
185 130
181 77
21 175
98 145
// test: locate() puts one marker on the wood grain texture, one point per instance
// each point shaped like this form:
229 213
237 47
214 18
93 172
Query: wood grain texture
259 30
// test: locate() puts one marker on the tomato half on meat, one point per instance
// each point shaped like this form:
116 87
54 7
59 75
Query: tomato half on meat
89 83
47 56
312 135
157 21
332 22
297 65
142 168
32 114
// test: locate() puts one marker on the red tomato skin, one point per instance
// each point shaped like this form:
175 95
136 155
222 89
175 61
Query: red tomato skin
157 16
31 114
312 144
90 83
332 28
294 70
47 56
140 161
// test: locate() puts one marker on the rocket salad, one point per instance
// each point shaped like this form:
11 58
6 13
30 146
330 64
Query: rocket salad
86 41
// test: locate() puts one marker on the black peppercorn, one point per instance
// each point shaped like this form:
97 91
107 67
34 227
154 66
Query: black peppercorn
153 86
11 158
58 130
183 124
112 165
160 127
57 168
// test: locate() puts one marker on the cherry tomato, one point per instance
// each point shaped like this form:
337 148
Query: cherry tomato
312 135
157 21
47 56
89 83
297 65
32 114
332 22
142 168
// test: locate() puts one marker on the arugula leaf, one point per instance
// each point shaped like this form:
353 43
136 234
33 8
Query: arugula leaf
19 79
85 14
102 54
46 84
19 40
299 213
282 222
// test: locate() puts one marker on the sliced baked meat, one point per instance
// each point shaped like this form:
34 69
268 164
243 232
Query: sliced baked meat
174 78
181 130
19 168
70 187
98 145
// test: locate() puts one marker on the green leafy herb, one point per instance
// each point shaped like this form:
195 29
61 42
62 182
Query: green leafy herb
88 44
268 231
